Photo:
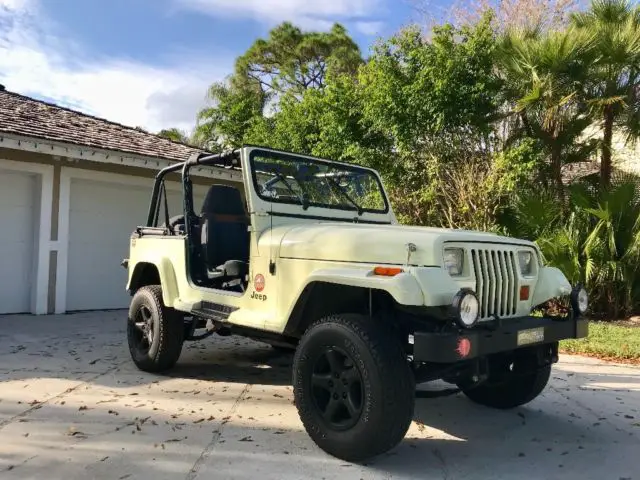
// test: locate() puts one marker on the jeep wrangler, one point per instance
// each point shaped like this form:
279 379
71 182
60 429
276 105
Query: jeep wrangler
306 254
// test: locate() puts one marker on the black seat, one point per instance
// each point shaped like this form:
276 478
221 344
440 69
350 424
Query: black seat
224 234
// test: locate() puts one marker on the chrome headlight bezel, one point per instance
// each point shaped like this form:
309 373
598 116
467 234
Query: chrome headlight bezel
579 299
453 261
527 263
466 308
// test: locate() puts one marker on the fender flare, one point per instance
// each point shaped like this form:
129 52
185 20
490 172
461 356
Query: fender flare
167 275
404 288
551 283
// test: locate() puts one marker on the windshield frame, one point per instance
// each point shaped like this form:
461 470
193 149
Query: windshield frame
294 157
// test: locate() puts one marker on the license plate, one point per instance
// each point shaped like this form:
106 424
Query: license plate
533 335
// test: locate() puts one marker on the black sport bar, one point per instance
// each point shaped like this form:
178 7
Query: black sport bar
220 159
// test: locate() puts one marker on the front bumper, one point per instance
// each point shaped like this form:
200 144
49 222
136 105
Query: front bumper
450 347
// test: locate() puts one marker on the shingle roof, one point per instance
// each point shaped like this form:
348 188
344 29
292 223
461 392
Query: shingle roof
35 118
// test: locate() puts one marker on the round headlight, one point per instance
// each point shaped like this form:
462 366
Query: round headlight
580 299
466 308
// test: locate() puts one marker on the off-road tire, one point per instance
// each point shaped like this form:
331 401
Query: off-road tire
168 337
387 386
511 393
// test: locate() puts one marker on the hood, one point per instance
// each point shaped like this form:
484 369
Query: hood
377 243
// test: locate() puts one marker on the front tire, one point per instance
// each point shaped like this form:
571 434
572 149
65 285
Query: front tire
155 333
512 383
353 387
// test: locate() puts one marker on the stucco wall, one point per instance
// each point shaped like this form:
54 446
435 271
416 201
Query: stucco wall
625 155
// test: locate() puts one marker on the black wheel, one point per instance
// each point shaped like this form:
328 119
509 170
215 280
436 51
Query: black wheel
353 387
513 381
155 333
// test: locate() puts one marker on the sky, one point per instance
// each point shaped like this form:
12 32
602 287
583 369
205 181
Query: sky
148 63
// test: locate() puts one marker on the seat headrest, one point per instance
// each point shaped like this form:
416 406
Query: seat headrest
223 200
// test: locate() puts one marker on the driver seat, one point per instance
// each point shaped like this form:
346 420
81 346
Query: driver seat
224 233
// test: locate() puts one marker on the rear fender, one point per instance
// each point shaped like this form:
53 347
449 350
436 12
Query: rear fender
166 275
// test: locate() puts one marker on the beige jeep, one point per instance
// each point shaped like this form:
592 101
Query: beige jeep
307 254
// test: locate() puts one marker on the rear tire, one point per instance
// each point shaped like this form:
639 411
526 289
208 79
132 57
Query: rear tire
511 384
155 333
353 387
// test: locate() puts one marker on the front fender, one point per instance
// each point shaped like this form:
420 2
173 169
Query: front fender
437 285
551 283
403 287
166 275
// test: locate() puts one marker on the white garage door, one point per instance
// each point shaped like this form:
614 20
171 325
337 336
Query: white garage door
101 218
17 217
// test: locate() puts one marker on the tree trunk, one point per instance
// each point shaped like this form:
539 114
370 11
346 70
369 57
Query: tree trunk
605 165
556 170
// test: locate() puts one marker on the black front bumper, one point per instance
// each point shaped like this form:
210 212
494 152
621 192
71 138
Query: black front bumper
449 347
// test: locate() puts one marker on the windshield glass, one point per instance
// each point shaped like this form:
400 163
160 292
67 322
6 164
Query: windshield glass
288 178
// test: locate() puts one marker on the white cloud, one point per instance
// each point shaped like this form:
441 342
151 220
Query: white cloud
370 28
318 14
35 62
14 4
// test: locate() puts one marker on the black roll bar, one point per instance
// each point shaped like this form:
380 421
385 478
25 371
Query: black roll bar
223 159
156 190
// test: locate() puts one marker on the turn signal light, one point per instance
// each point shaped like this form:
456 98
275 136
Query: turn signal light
387 271
524 293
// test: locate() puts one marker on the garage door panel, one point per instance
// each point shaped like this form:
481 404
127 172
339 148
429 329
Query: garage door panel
17 216
101 219
17 225
102 216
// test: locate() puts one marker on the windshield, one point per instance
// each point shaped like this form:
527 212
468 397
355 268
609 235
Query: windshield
288 178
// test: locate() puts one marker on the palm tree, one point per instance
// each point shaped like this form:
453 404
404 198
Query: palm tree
614 74
544 73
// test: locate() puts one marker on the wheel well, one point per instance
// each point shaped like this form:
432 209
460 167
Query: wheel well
144 274
319 299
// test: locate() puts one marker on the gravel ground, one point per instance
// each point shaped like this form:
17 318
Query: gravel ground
73 406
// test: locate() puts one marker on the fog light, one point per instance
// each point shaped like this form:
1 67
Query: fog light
466 308
579 299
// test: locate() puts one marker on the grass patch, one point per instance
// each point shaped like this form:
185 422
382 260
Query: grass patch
607 341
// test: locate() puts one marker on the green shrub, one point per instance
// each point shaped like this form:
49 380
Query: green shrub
466 195
594 239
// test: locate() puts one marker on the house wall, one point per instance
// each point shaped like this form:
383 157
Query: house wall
54 173
625 155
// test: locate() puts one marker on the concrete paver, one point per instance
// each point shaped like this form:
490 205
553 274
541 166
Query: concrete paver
72 405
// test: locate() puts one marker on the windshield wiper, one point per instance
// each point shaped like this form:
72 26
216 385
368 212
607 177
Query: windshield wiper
302 199
346 195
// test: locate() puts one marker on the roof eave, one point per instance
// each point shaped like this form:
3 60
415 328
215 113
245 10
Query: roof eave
83 153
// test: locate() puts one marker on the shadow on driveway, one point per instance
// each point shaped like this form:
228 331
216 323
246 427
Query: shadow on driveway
225 411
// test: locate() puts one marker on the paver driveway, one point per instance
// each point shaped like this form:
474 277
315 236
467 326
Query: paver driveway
72 405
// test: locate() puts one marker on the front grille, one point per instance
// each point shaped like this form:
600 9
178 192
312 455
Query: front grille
496 287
